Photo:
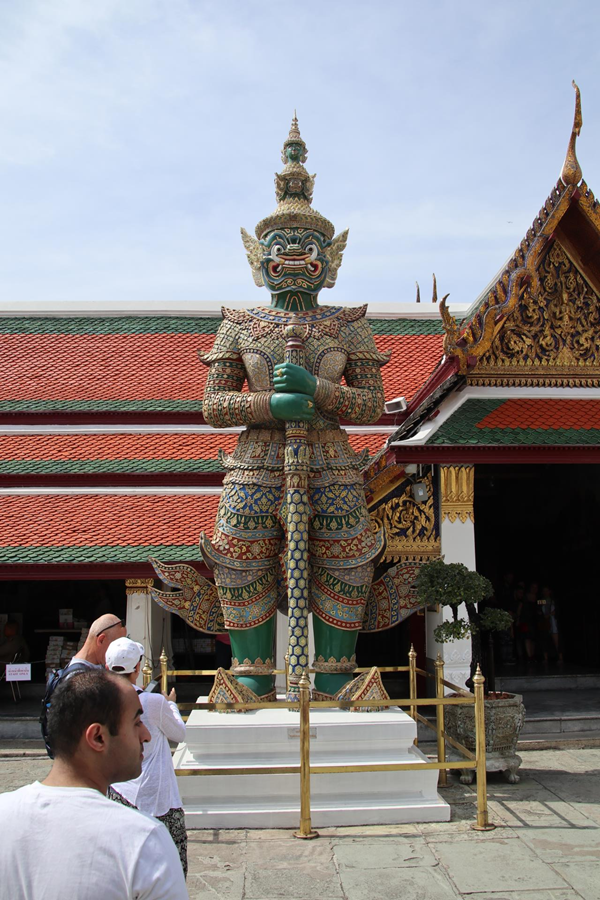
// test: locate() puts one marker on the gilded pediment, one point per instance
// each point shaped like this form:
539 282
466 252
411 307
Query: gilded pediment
539 323
552 336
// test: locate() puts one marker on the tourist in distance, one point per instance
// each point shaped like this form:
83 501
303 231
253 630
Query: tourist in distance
155 791
102 633
63 838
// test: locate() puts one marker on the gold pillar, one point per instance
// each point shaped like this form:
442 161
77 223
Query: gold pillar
457 488
441 741
483 823
306 831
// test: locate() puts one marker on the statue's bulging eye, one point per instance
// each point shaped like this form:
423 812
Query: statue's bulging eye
313 250
276 249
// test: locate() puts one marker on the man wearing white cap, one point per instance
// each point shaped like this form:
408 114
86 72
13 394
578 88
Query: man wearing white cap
155 791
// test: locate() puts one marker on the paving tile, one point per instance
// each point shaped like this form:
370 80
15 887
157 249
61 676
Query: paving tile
385 853
559 894
216 886
564 844
495 865
584 877
303 882
353 832
388 884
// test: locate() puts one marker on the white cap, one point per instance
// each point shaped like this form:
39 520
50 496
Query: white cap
123 655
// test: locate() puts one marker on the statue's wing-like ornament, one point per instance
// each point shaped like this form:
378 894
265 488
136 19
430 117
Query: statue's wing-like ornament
195 600
254 252
334 255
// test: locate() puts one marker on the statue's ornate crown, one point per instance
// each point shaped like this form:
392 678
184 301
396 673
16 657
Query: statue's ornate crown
294 190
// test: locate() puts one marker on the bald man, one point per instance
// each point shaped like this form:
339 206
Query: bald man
102 633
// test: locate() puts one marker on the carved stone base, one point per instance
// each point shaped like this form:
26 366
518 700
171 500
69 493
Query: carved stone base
503 722
495 762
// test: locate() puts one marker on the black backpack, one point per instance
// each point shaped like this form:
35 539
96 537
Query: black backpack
53 681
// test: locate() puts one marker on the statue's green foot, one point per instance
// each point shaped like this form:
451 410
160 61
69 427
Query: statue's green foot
227 689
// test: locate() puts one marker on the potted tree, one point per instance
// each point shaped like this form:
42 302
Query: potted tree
452 585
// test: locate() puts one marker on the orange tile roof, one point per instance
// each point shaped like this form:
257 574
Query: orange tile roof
105 520
142 367
544 414
103 366
114 446
414 357
124 446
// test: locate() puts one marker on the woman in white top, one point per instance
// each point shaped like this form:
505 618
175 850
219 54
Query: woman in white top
155 791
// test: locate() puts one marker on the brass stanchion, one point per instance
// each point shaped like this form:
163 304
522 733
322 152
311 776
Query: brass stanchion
306 832
287 674
439 716
412 682
164 663
483 823
147 674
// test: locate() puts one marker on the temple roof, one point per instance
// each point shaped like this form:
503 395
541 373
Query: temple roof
61 452
108 527
518 421
150 365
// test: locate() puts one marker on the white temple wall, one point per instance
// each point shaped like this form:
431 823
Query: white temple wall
457 537
148 623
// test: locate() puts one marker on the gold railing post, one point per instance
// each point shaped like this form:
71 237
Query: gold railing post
483 822
412 681
306 832
439 716
164 662
287 674
147 674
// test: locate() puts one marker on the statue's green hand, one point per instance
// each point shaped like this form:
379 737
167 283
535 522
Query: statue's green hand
293 379
290 407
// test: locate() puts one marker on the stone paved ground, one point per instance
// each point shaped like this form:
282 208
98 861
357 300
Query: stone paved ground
546 846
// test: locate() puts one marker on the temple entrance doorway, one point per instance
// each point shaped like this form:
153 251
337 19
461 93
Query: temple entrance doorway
537 538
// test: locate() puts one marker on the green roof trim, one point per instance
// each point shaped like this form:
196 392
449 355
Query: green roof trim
173 325
461 428
109 324
87 466
52 406
23 556
406 326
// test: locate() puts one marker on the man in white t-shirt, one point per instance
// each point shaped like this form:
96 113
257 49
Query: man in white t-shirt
63 838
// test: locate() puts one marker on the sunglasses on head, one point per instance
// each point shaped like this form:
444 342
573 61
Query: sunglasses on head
121 622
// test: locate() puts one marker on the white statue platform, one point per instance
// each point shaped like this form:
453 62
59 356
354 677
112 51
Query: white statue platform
271 738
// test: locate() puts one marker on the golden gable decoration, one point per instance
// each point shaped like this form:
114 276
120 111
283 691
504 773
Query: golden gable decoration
538 324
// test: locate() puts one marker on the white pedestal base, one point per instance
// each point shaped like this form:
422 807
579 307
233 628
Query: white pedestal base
270 738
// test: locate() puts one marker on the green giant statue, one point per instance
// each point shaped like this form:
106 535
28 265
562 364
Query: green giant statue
292 523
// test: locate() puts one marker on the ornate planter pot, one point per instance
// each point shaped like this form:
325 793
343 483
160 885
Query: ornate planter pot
504 717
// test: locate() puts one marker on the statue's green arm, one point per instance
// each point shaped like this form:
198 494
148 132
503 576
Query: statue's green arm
361 399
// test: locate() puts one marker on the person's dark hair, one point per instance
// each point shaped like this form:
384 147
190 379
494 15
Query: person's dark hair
77 703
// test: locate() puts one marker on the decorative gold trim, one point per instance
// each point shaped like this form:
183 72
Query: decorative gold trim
571 170
410 526
457 487
247 667
320 664
138 585
551 338
468 344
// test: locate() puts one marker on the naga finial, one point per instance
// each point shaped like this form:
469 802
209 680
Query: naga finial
571 170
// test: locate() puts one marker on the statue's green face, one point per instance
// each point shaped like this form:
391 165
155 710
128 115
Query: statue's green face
294 260
294 152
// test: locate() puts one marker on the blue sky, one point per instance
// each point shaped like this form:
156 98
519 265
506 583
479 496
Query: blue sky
138 136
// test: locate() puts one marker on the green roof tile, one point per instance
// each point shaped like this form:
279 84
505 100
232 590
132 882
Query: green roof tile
461 428
55 555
